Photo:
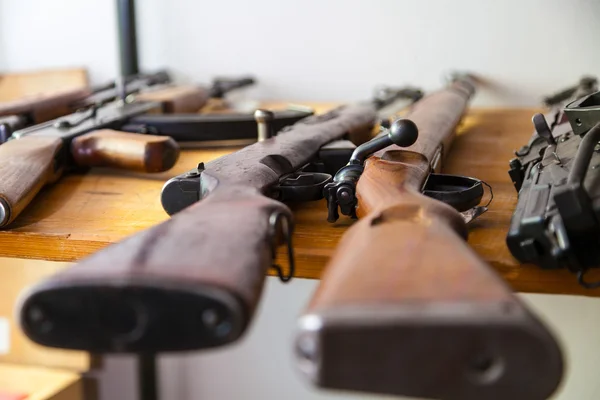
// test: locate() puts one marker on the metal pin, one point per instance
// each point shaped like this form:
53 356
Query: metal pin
263 120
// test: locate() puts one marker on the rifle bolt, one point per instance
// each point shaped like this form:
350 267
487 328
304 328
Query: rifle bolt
263 119
344 195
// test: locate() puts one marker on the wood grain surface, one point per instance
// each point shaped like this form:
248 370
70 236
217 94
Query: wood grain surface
87 211
26 166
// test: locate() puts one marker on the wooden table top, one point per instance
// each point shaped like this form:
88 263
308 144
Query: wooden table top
85 212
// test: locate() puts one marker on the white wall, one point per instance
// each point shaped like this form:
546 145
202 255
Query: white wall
323 50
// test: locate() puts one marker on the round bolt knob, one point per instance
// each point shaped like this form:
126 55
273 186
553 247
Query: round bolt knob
403 132
263 119
262 115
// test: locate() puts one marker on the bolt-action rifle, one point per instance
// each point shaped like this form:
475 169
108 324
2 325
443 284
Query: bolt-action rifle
404 306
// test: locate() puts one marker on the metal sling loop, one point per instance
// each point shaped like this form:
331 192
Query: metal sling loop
274 220
491 193
582 282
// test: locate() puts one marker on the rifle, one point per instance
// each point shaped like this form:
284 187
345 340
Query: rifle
39 155
109 134
184 190
179 115
555 223
181 102
194 281
404 306
35 97
159 86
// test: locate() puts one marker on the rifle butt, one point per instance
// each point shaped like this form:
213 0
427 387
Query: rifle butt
405 307
186 284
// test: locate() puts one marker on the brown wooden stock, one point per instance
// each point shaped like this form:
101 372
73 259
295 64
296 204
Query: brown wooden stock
211 267
215 252
411 249
405 306
177 99
27 165
404 234
202 256
132 151
219 248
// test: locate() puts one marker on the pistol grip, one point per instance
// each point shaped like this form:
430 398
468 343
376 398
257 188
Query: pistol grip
131 151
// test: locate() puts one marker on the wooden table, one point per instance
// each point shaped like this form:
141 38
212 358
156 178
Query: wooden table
85 212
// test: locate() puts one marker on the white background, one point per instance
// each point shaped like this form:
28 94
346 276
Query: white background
323 50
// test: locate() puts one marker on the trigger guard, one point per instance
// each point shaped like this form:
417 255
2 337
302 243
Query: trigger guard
460 192
294 188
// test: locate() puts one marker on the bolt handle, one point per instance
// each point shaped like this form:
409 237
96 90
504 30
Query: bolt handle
342 191
264 119
402 132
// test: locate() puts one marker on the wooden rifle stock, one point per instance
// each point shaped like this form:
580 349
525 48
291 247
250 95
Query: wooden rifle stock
405 307
195 280
177 99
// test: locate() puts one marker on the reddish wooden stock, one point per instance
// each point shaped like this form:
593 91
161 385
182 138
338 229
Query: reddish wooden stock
27 165
405 306
132 151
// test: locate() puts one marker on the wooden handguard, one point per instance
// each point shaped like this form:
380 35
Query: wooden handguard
26 166
177 99
127 300
405 307
132 151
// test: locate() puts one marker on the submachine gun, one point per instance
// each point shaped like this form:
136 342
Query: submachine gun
557 220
